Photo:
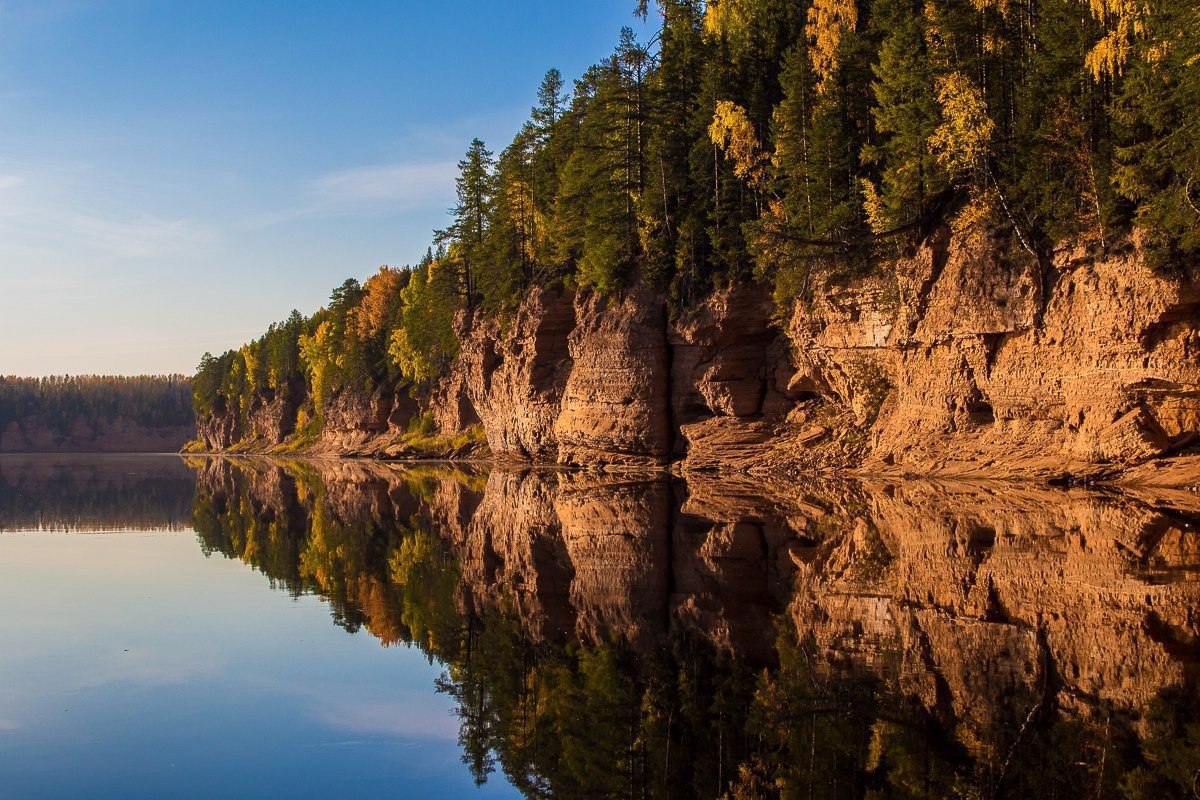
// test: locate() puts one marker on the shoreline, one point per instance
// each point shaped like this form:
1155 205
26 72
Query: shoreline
1187 468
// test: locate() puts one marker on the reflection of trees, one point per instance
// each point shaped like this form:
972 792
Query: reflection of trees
1171 764
685 717
93 494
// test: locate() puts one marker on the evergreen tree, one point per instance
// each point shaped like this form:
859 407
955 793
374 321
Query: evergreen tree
1158 114
905 114
549 109
475 189
673 207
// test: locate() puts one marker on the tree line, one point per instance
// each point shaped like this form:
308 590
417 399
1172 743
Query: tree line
755 139
58 401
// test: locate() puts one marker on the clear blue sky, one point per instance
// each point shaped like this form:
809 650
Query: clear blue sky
175 175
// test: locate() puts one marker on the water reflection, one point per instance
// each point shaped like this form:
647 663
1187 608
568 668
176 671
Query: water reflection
619 637
89 493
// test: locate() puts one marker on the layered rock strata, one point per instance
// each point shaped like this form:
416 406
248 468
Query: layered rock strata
959 359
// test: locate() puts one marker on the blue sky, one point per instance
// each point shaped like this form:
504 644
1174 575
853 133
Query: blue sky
175 175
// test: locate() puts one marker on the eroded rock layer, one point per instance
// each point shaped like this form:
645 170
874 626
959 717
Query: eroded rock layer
960 359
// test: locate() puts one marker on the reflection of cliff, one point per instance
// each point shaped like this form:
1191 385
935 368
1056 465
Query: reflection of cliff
994 606
572 557
90 493
615 636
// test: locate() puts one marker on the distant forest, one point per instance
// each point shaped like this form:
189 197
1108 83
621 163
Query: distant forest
753 140
153 402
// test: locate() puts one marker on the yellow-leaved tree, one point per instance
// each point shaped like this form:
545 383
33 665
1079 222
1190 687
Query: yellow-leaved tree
320 357
1123 21
963 139
733 132
724 18
961 143
424 341
374 312
828 21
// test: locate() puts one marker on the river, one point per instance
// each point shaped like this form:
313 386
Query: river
261 628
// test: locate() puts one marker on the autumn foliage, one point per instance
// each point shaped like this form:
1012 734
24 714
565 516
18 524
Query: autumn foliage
754 139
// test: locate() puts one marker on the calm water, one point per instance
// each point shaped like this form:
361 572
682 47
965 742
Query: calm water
217 628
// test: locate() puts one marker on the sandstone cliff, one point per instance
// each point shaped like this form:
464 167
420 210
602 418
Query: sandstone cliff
958 359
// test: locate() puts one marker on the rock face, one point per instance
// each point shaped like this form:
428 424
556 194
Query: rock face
730 374
272 419
962 358
616 404
515 379
218 431
353 420
969 367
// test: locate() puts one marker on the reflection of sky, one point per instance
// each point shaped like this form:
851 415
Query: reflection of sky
132 666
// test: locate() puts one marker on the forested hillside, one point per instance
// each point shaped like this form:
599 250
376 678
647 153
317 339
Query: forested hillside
95 412
760 141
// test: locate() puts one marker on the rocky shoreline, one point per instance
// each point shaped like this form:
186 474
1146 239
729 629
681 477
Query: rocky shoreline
959 359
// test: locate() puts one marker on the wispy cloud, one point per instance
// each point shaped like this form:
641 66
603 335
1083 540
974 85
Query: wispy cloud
142 235
378 189
66 210
40 232
402 184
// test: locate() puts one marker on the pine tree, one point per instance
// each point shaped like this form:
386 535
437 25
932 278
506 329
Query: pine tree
550 103
670 201
1158 160
474 187
595 228
515 227
905 114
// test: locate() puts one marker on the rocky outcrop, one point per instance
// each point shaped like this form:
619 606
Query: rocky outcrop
353 420
965 357
267 423
964 364
616 404
515 378
723 358
450 405
730 381
217 432
272 419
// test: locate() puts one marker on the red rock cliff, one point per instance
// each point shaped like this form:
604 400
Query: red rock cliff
956 360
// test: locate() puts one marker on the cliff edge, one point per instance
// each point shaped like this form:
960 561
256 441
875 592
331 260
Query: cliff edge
956 359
